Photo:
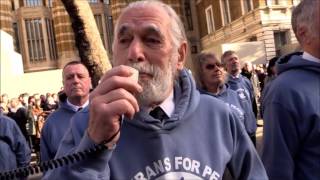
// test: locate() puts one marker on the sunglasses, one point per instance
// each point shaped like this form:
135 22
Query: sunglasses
212 66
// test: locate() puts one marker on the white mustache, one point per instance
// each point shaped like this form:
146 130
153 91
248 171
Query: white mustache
145 68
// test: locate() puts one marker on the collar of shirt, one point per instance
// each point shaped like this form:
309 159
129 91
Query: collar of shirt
74 107
235 77
309 57
168 105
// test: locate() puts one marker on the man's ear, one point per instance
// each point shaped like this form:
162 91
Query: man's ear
182 53
302 33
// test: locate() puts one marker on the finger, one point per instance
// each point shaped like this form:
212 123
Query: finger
118 94
103 112
113 83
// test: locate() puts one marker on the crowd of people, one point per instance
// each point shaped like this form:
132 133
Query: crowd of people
172 124
30 113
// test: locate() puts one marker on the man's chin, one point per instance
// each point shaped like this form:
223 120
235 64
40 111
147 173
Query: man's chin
149 100
77 94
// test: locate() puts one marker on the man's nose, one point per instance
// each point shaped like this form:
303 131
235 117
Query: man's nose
76 79
136 51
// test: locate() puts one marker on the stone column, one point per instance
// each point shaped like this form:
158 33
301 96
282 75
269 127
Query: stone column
66 48
6 16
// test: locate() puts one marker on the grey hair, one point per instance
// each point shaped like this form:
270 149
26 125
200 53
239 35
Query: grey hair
226 54
203 57
178 34
304 14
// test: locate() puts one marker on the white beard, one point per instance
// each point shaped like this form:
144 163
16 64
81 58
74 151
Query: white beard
155 90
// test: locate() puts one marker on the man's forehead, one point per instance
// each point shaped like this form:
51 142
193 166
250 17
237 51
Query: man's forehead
75 68
144 15
231 56
145 27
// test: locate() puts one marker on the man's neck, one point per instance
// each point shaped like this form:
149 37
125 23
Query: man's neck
235 75
167 105
78 101
312 51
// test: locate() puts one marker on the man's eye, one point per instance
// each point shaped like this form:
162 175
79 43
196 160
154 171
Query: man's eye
152 41
124 40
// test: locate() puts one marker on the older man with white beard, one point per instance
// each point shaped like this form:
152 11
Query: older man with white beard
169 130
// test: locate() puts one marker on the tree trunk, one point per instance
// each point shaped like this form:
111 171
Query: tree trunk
91 50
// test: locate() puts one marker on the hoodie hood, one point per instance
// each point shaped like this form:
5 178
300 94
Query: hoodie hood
63 102
186 97
222 93
62 96
295 61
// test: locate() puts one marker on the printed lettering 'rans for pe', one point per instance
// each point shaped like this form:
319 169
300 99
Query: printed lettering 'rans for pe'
177 168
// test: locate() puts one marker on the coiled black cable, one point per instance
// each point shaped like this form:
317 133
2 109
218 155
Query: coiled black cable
55 163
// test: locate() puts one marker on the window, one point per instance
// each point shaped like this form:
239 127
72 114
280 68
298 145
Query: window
247 6
93 1
51 40
50 3
210 20
32 3
224 6
35 40
106 2
98 19
109 31
276 2
16 37
253 38
12 6
281 38
188 15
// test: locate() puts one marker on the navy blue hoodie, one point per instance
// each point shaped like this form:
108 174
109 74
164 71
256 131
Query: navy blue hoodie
241 107
243 86
199 140
54 128
14 149
291 145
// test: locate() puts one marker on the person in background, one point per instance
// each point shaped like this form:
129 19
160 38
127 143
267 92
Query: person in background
14 149
211 79
31 123
166 122
37 112
18 112
271 75
50 103
24 98
239 83
291 137
43 102
55 99
4 103
249 71
261 74
271 71
75 96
